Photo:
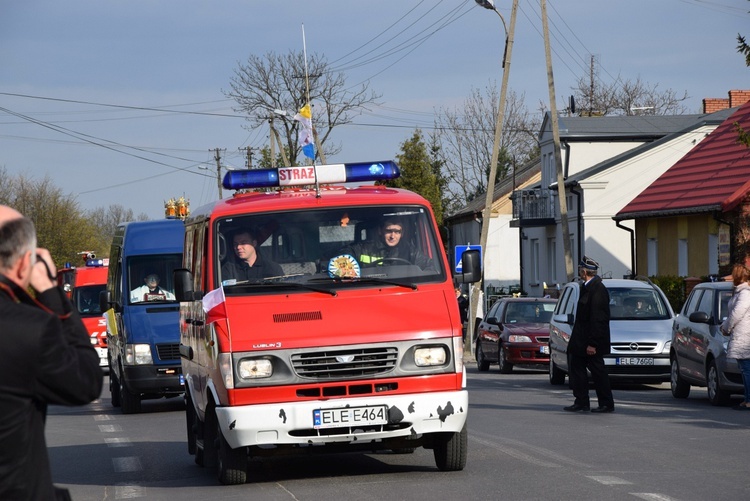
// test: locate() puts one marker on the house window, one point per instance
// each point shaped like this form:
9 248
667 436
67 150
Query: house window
534 248
551 261
652 256
713 254
682 257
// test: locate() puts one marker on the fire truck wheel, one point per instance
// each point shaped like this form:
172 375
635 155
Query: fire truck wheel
210 445
451 449
190 422
232 463
131 403
114 388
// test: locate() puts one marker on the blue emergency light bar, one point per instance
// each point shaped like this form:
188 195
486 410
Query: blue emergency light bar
95 262
310 174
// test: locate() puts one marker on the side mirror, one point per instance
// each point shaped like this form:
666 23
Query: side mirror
564 318
492 320
183 286
471 266
105 300
699 317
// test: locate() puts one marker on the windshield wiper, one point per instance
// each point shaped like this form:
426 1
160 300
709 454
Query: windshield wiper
375 280
272 283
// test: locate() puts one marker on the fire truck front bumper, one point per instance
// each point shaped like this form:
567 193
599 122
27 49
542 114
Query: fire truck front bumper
361 420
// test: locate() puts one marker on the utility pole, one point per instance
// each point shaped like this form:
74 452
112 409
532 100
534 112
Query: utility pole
556 141
217 157
248 156
489 198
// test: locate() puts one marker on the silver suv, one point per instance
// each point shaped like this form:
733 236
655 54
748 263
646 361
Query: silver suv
640 330
699 348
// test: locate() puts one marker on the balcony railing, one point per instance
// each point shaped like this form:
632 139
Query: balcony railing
534 207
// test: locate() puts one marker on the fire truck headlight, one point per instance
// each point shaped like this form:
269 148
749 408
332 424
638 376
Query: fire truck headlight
429 356
138 354
255 368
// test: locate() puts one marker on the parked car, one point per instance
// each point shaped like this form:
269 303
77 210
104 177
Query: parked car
698 353
515 331
640 331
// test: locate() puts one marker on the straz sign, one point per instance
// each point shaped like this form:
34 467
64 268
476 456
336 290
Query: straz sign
294 176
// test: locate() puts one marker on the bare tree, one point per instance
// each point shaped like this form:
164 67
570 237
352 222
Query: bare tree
466 137
60 224
625 97
277 82
105 221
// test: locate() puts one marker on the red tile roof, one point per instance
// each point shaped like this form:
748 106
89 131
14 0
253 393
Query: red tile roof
715 175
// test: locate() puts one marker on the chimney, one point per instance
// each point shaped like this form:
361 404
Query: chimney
738 97
714 104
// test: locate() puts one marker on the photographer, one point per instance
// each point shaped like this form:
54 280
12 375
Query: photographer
46 358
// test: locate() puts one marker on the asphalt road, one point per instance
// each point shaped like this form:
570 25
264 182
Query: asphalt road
522 446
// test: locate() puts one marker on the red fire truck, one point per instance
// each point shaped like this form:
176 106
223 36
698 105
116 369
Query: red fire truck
343 335
83 285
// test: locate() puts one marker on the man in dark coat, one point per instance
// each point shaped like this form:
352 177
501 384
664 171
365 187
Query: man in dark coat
46 358
590 341
250 264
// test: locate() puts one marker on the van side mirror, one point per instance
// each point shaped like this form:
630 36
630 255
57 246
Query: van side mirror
183 286
105 301
471 267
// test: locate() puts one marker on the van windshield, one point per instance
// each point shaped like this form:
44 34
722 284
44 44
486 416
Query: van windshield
328 248
150 277
636 304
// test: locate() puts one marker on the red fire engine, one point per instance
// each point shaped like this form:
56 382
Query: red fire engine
342 334
83 285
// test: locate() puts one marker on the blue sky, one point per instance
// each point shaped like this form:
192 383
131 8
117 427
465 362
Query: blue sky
62 62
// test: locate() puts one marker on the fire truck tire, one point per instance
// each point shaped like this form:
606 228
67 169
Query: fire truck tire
114 388
190 422
130 403
210 440
231 465
451 450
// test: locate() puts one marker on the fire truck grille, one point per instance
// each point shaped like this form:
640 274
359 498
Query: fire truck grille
338 364
168 351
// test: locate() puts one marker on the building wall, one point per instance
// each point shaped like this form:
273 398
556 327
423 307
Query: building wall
668 230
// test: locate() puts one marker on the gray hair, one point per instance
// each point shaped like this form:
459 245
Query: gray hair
17 237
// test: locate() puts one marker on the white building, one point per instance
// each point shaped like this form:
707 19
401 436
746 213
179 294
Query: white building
607 161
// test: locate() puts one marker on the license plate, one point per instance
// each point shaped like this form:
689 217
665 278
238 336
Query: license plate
544 350
635 361
350 416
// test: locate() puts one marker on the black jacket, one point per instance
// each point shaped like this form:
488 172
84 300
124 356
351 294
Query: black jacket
240 271
46 357
591 326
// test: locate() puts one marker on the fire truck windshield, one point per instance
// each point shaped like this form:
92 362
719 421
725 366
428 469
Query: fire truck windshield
331 247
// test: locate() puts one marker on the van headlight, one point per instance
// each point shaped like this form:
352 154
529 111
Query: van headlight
430 356
138 354
255 368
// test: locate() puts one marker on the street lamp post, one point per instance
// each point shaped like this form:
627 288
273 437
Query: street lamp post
486 214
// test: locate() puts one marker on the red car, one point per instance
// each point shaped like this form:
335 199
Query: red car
515 331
